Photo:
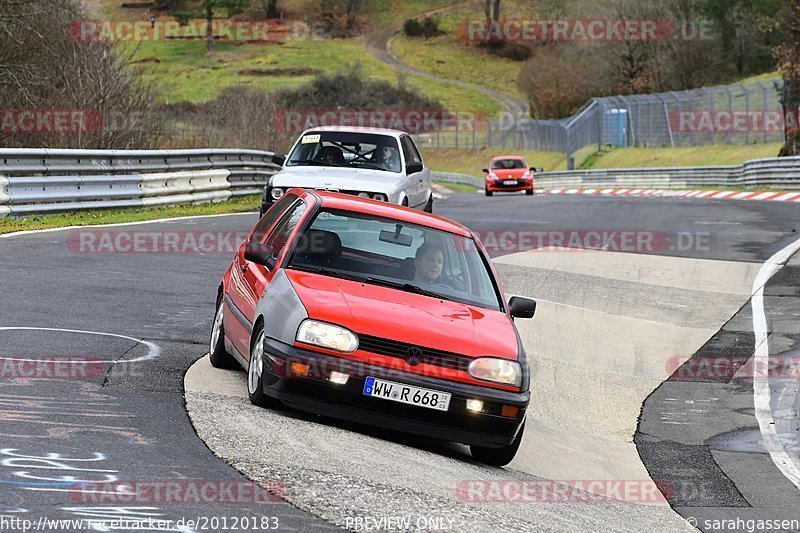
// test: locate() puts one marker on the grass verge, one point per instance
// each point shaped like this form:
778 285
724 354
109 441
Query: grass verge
243 204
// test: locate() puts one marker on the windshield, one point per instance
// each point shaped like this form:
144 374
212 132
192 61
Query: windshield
347 149
398 255
508 164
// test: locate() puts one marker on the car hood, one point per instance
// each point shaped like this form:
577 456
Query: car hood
406 317
348 179
513 173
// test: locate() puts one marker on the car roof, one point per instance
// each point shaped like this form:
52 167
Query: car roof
507 157
358 129
347 202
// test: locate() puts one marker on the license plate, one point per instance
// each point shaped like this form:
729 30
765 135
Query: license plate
408 394
510 182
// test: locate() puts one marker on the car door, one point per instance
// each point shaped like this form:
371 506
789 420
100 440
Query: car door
246 276
419 181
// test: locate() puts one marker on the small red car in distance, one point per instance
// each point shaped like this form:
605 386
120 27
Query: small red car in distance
508 173
377 314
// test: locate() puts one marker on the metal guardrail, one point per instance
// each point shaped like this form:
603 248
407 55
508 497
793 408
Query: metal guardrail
47 181
782 173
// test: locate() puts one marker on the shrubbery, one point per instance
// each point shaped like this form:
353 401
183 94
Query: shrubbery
428 27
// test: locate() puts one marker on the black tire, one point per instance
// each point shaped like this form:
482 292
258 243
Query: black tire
255 385
488 192
217 354
405 202
498 456
429 205
529 192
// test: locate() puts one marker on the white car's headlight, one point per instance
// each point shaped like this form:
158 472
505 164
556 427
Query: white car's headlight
277 193
496 370
327 336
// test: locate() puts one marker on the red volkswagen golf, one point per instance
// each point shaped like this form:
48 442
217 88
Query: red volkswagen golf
377 314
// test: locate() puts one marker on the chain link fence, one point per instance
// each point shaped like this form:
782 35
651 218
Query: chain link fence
726 114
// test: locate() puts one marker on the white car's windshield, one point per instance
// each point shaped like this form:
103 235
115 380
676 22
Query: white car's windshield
403 256
347 149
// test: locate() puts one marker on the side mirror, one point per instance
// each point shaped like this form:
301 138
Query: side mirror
260 254
279 159
485 170
413 168
522 307
533 169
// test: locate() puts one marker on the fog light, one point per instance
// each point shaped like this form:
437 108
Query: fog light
510 411
380 197
299 369
276 193
475 406
339 378
363 195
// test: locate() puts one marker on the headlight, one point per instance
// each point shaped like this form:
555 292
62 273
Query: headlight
379 196
493 175
277 193
327 336
496 370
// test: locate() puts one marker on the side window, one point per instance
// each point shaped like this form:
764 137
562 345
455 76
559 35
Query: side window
271 216
414 151
285 227
409 157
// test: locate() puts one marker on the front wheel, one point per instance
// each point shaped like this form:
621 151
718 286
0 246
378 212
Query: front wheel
255 369
429 205
529 192
217 354
498 456
488 192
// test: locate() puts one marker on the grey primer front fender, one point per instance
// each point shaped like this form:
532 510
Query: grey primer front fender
281 309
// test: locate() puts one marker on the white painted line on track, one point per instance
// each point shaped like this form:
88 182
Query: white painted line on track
761 387
153 350
118 224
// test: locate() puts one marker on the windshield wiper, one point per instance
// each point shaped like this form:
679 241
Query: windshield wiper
327 272
370 166
407 287
314 162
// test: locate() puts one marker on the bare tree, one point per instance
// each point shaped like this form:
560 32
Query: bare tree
44 67
789 67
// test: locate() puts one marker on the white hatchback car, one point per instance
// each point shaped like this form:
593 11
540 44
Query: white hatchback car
375 163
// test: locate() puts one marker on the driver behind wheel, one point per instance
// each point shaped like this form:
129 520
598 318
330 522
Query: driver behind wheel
387 157
428 263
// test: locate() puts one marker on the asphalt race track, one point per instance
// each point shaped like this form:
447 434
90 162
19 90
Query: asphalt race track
622 350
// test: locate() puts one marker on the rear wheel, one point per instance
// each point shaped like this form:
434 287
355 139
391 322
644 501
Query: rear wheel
488 192
498 456
255 369
429 205
217 354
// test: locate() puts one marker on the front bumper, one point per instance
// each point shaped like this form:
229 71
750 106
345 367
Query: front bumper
497 186
317 394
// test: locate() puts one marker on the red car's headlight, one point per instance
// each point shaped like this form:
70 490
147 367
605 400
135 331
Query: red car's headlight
496 370
327 336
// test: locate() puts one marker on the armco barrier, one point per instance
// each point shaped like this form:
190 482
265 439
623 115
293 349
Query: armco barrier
780 173
47 181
